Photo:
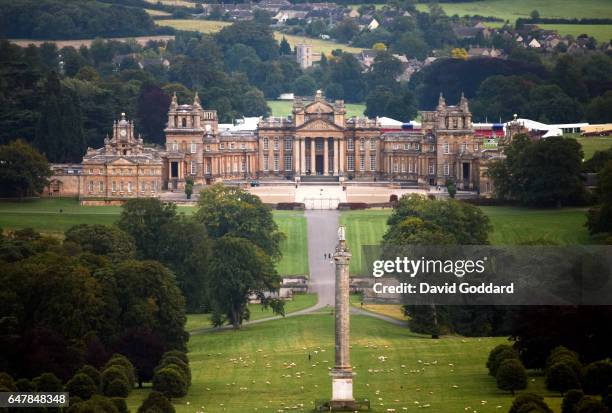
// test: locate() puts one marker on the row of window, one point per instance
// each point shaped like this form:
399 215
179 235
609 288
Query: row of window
288 144
127 171
362 144
122 186
362 165
407 146
464 147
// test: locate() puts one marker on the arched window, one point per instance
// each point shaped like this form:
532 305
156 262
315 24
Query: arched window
184 122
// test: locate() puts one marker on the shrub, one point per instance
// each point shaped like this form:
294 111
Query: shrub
497 355
96 404
81 385
562 354
24 385
590 404
176 353
6 380
170 381
511 375
48 382
123 362
570 401
159 402
110 375
290 206
92 372
561 377
352 205
178 363
536 403
597 376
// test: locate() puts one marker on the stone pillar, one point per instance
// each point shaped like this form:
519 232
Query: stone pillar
342 373
296 156
302 156
336 156
325 156
313 157
342 155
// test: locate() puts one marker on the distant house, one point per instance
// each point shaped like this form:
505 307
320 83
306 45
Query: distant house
534 43
373 25
485 52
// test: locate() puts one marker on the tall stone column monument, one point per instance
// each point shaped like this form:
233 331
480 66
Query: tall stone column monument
342 373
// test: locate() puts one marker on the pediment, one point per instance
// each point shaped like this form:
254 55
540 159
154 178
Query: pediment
122 161
319 124
319 107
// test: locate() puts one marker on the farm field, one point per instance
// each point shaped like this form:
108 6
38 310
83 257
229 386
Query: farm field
265 368
179 3
284 107
601 32
210 26
157 13
299 302
44 216
513 9
142 40
511 225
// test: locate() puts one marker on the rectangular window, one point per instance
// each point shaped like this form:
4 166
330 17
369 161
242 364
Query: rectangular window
432 169
130 187
406 146
288 159
175 146
464 147
417 146
362 144
351 162
208 167
395 146
395 165
114 186
207 148
351 144
101 186
276 144
476 148
288 144
403 167
121 186
194 147
243 166
91 186
232 145
372 163
266 165
446 169
143 187
373 144
362 163
243 146
221 146
265 143
446 148
276 162
410 167
193 167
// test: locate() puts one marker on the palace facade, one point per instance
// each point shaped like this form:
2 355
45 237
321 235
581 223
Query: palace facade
316 140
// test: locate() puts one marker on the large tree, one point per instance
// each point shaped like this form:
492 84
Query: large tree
152 108
240 269
225 210
541 173
23 170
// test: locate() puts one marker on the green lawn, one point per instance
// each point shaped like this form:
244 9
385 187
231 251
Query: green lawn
513 9
44 215
284 107
511 225
593 143
299 302
602 32
265 368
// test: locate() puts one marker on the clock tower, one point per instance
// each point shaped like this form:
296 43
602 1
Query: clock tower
123 142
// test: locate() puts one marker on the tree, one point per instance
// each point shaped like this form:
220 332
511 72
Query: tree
529 402
285 48
398 103
131 343
188 187
542 173
304 85
97 403
598 161
48 382
239 269
589 404
258 36
534 15
598 108
152 107
149 298
571 400
102 240
23 170
59 132
81 385
345 70
170 382
234 212
345 30
385 70
156 401
561 377
511 375
497 355
92 372
599 218
597 376
451 188
119 360
110 381
143 219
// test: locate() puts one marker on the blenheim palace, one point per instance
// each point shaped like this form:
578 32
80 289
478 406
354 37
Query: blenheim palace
317 142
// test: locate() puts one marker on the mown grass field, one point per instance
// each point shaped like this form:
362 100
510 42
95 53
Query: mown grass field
209 26
179 3
284 107
299 302
265 368
155 13
601 32
44 215
593 143
513 9
511 225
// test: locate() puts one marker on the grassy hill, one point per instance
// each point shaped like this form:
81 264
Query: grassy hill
265 368
283 108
